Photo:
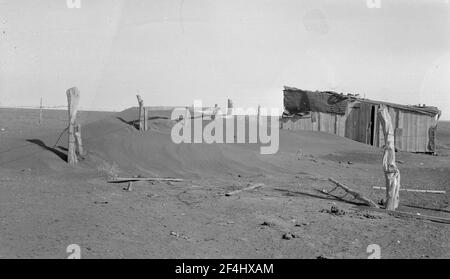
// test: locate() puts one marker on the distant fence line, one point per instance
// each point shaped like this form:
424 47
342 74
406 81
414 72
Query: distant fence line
61 107
33 107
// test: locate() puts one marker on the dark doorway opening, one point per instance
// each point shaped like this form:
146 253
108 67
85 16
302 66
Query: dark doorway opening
372 126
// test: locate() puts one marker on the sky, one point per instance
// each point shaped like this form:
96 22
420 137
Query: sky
173 52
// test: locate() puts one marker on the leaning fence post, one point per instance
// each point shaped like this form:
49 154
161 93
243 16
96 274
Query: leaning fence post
391 172
73 97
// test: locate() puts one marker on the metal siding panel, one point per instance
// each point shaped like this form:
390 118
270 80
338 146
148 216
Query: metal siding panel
408 131
399 137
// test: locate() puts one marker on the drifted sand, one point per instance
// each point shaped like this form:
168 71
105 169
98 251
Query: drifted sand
45 205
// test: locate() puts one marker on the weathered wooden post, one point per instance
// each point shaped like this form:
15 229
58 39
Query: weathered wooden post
391 172
141 113
145 111
230 107
73 97
78 142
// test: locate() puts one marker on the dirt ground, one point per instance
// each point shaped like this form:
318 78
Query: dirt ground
45 205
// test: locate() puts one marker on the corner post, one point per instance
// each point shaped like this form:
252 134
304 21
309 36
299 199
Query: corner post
73 97
391 172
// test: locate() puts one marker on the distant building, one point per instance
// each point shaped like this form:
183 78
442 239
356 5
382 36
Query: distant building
356 118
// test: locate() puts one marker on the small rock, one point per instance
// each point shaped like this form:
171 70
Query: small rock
350 162
302 224
287 236
334 210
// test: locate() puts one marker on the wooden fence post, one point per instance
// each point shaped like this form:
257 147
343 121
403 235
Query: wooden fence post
73 97
78 142
230 107
391 172
145 118
141 113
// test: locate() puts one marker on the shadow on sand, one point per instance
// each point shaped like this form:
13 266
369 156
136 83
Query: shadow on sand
135 123
40 143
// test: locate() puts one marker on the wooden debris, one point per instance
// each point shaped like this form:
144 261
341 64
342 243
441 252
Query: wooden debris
403 214
414 190
128 179
357 195
391 172
252 187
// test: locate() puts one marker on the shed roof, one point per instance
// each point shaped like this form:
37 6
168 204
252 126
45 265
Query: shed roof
298 100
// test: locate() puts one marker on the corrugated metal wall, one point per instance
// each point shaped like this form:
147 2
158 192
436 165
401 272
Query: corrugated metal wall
411 129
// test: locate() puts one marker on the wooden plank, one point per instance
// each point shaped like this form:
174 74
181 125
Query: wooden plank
128 179
414 190
252 187
403 214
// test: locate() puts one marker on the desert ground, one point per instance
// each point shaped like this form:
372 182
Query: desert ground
46 205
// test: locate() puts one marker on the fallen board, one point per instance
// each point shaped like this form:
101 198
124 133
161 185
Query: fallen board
413 190
245 189
357 195
405 214
129 179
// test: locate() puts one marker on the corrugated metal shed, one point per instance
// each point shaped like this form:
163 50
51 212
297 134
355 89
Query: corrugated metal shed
415 126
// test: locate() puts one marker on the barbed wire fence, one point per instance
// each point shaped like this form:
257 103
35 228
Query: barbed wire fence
39 114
